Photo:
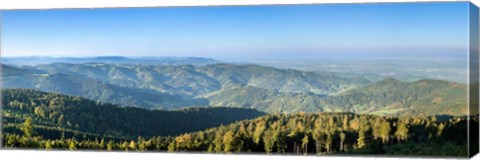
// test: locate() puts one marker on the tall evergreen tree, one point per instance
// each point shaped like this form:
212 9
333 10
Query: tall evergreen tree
28 128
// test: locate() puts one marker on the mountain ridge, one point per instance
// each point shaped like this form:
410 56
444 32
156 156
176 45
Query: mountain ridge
77 113
155 60
267 89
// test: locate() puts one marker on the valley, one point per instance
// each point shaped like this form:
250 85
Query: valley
211 106
267 89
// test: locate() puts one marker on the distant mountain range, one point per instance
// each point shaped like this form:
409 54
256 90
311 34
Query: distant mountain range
92 89
193 81
387 97
258 87
110 59
394 97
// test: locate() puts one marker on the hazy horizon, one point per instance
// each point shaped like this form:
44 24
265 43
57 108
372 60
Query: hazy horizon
412 38
242 32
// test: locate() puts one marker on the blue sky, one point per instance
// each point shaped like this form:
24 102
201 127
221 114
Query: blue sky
284 31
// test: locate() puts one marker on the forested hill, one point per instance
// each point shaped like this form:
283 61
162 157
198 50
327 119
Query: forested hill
92 89
177 86
263 88
300 133
51 110
386 97
394 97
191 80
335 133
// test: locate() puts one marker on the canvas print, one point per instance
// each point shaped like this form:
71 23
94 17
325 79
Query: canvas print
369 79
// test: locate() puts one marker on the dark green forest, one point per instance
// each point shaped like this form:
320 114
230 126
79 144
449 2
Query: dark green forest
52 112
40 120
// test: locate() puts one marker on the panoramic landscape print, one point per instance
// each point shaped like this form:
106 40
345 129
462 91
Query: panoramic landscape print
320 79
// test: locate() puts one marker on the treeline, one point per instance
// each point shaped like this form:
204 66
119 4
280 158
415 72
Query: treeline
334 133
315 133
60 112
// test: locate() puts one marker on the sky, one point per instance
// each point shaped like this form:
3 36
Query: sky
230 32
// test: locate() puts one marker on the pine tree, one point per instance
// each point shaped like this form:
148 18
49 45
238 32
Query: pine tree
281 143
328 142
172 146
72 144
268 141
27 128
124 146
110 145
440 129
385 131
305 144
228 141
133 145
361 139
141 144
218 141
259 131
376 129
102 144
342 141
402 131
48 145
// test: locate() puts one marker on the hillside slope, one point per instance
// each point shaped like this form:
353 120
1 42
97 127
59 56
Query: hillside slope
92 89
386 97
194 81
394 97
76 113
246 86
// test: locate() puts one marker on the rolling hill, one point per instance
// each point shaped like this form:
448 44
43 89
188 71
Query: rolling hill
247 86
394 97
92 89
79 114
386 97
194 81
176 86
280 80
266 100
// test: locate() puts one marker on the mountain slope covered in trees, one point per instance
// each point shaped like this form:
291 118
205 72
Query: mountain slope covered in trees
386 97
266 89
177 86
76 113
335 133
394 97
193 81
92 89
267 100
199 104
300 133
281 80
